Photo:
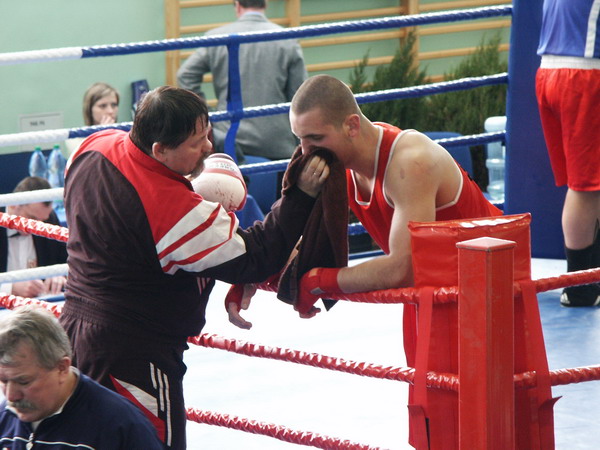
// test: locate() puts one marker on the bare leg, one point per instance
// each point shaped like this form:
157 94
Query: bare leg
581 212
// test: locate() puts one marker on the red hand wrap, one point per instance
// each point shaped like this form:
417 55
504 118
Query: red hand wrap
234 295
314 283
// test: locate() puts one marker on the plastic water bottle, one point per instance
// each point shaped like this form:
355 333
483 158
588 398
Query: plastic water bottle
38 167
496 155
56 168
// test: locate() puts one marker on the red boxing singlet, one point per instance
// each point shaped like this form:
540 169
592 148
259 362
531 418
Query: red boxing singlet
376 213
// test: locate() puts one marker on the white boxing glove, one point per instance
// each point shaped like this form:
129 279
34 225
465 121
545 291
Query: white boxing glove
222 181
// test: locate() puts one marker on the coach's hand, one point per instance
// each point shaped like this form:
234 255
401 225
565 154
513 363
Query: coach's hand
237 299
313 176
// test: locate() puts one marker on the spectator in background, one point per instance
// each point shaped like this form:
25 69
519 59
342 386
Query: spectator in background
100 107
48 403
270 73
100 104
20 250
568 92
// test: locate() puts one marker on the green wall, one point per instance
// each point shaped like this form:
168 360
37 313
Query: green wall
59 86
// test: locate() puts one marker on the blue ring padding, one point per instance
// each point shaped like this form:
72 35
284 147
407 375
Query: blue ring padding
296 32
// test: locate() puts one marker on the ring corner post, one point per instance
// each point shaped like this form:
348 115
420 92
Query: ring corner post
486 407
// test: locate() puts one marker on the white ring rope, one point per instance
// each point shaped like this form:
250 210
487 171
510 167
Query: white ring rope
40 195
36 273
30 56
34 137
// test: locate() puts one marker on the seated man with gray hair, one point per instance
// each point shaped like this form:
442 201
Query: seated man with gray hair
48 402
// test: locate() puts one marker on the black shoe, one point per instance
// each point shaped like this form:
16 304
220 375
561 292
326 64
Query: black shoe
587 295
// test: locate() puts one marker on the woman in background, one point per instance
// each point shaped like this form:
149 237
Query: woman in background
100 107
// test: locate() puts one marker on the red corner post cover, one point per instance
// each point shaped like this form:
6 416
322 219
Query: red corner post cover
431 341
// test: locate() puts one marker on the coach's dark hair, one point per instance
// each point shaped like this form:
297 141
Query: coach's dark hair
259 4
167 115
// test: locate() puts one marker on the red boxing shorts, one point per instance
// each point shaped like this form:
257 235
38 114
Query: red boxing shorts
568 101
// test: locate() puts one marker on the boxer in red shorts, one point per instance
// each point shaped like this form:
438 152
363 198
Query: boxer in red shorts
568 92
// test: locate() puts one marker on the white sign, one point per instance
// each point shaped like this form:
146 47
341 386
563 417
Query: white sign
39 122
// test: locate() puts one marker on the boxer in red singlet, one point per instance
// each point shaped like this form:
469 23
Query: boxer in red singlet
393 177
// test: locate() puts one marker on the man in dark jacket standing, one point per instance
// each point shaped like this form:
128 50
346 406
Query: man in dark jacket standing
145 250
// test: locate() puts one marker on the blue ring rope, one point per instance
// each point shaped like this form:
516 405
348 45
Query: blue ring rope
296 32
368 97
376 96
236 112
459 141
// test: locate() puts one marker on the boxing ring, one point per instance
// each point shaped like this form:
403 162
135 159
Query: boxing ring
389 300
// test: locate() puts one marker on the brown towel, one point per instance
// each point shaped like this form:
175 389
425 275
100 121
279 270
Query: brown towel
324 242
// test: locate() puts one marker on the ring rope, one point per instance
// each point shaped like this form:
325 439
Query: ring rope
372 97
30 56
388 296
272 430
256 36
14 301
459 141
39 195
528 380
449 294
33 226
405 374
34 273
44 195
450 382
34 137
443 381
577 278
437 380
